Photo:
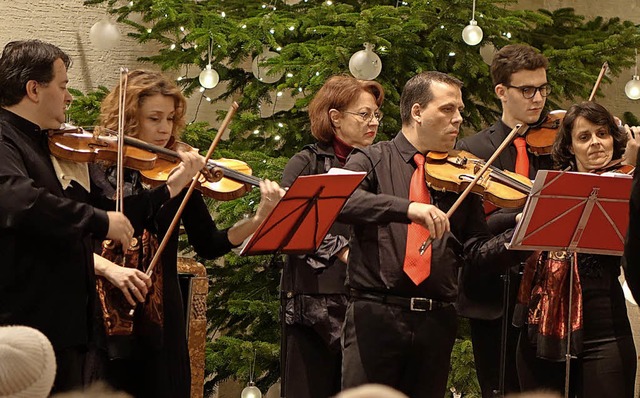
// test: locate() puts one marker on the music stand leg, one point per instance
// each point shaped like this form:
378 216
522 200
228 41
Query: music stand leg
567 368
506 283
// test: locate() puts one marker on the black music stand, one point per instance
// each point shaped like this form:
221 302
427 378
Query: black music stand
299 223
576 213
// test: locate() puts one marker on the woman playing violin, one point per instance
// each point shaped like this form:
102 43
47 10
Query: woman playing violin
155 112
605 363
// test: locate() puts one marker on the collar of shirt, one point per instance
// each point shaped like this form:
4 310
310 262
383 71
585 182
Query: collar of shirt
404 147
30 129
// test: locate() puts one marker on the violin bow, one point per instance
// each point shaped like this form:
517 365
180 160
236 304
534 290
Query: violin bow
165 240
603 70
518 130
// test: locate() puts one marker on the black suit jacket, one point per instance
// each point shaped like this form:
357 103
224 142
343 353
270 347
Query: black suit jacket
481 292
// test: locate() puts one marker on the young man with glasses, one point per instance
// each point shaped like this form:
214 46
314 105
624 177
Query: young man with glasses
519 74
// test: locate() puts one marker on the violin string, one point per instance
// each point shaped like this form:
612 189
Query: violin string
506 179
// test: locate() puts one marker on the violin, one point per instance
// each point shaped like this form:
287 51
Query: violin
222 179
225 179
616 166
454 170
78 145
541 136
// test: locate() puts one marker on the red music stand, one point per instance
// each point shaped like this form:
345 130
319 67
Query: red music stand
305 213
575 212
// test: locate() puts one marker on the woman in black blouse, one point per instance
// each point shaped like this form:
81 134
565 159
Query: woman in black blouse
158 365
604 363
345 113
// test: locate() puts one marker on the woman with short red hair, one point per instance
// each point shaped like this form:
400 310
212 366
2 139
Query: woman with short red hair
344 114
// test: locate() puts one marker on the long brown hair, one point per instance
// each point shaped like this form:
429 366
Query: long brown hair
338 93
142 84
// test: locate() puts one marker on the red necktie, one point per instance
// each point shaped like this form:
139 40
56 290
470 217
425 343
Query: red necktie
417 267
522 159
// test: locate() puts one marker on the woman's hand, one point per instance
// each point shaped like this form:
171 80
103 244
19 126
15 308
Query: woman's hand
192 163
633 143
132 282
270 194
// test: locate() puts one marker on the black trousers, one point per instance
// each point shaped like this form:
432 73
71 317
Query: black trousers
70 364
409 351
486 336
604 369
312 369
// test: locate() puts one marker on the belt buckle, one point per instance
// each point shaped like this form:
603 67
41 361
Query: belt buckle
420 300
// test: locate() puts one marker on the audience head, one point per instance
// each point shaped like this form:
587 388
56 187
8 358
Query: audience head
371 391
27 363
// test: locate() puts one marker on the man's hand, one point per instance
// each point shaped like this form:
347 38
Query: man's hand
120 228
429 217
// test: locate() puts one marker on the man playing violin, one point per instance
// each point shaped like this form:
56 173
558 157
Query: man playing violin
401 300
46 272
520 79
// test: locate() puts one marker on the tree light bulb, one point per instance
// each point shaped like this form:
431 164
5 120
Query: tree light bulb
632 88
251 391
209 78
472 33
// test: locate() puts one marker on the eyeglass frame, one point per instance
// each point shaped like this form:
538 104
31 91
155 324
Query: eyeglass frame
364 119
546 86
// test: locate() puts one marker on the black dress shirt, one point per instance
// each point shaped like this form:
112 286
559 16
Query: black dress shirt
481 293
378 212
46 263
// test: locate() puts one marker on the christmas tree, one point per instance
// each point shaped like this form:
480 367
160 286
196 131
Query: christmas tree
312 40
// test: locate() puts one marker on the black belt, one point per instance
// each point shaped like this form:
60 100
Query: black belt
409 303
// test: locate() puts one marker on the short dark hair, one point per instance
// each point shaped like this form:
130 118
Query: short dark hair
514 58
26 60
418 91
596 114
337 93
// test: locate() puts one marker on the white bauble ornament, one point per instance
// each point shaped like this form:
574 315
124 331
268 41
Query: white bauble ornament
251 391
104 35
263 73
487 52
632 88
472 33
365 64
209 78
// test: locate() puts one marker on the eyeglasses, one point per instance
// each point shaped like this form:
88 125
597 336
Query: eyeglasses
367 116
529 92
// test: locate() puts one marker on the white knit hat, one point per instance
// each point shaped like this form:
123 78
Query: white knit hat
27 363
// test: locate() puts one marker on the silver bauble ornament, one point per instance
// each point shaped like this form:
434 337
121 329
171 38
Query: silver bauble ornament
632 88
251 391
104 35
263 73
365 64
472 33
209 78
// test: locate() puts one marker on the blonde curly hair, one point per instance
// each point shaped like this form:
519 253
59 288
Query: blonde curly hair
142 84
